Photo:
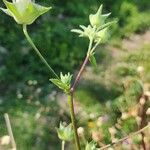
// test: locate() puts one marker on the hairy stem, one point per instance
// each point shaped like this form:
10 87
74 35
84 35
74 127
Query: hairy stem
63 145
37 51
73 120
125 138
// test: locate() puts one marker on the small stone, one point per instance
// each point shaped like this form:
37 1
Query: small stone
140 69
80 131
142 101
124 116
148 111
5 140
138 120
112 130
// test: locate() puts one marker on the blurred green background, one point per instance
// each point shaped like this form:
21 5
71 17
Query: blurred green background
35 106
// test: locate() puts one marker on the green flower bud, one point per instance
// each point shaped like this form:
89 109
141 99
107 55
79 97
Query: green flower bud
66 79
91 146
24 11
65 133
64 82
98 19
102 36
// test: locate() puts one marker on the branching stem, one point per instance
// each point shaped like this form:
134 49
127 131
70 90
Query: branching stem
80 73
70 101
72 90
82 67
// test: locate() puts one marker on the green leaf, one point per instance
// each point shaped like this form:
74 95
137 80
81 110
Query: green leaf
91 146
65 133
6 11
77 31
92 60
64 82
60 84
108 24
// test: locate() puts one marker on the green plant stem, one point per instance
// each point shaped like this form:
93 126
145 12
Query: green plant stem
63 145
70 102
95 46
37 51
90 45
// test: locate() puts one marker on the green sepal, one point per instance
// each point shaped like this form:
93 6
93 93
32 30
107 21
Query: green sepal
24 11
98 19
64 82
108 24
65 133
91 146
60 84
6 11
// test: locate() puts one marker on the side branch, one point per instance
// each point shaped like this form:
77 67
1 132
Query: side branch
125 138
80 73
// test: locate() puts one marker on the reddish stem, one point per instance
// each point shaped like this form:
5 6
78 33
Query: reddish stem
79 73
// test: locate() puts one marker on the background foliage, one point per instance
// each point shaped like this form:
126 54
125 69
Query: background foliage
26 93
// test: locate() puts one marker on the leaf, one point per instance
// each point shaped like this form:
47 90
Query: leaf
60 84
65 133
107 25
6 11
77 31
92 60
64 82
91 146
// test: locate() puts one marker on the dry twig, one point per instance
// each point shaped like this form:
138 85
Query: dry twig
125 138
9 129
